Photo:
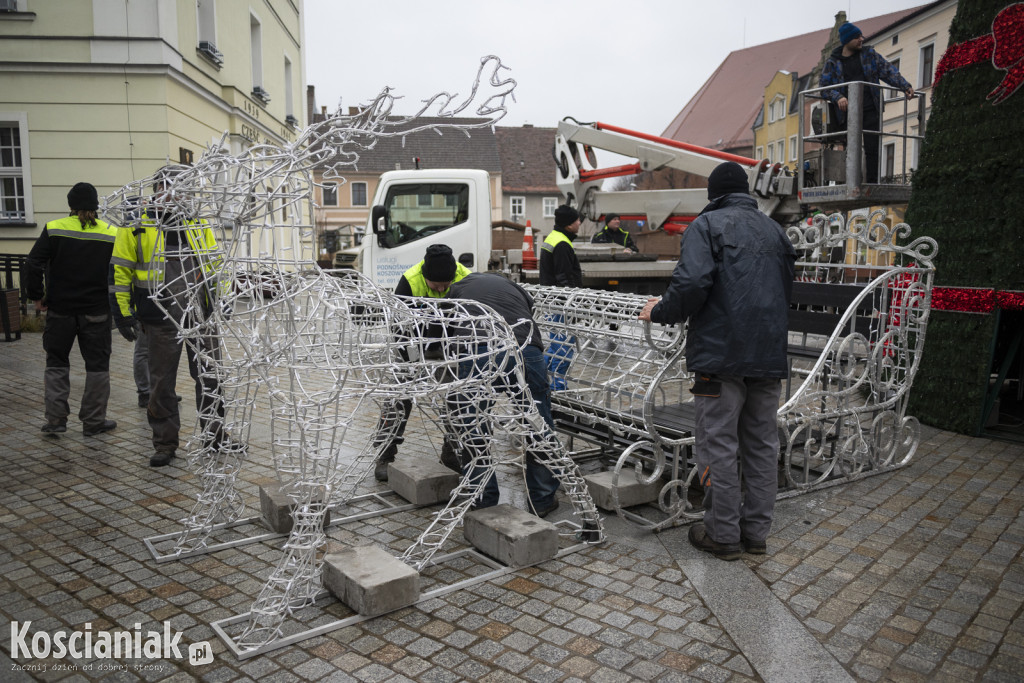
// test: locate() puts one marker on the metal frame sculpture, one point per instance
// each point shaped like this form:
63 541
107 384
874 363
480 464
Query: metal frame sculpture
848 417
627 395
260 314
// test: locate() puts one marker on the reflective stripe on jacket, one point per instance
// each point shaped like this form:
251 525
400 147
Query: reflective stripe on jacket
418 283
68 265
138 261
559 264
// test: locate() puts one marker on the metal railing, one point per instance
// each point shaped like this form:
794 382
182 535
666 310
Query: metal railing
852 138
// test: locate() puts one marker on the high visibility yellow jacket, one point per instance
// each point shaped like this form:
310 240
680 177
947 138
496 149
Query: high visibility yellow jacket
138 261
418 284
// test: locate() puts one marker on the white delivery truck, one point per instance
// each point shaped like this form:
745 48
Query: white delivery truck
414 209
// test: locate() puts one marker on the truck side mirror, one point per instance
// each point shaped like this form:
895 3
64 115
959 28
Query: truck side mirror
466 259
379 220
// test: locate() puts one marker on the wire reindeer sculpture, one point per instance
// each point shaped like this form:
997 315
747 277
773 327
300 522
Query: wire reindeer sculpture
327 348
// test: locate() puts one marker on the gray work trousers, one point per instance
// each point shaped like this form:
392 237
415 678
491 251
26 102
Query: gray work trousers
93 335
164 356
737 430
140 364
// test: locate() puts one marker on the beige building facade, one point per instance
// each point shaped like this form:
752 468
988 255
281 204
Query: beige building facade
106 92
914 46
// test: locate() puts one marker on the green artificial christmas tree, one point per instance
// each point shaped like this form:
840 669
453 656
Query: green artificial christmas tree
968 193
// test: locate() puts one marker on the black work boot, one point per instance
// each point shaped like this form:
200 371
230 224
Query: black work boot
699 539
161 458
105 426
449 458
380 468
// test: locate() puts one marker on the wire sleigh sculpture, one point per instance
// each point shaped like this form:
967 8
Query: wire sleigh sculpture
260 315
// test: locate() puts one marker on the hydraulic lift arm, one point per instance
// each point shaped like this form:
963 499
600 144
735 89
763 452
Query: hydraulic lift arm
772 185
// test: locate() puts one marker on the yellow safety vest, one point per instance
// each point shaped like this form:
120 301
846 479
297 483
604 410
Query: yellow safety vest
553 239
418 283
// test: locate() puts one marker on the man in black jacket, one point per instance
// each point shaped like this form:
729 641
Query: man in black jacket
612 233
515 305
733 283
559 265
68 270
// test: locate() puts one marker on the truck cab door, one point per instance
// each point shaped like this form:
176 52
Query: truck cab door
413 216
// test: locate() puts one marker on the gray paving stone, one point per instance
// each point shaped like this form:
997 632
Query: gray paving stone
893 574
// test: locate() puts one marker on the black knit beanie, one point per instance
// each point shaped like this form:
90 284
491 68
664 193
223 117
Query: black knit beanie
83 197
727 178
565 215
610 217
439 263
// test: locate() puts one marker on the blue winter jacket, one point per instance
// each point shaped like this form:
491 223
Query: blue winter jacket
875 68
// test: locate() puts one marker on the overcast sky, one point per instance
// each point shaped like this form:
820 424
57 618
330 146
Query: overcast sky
630 63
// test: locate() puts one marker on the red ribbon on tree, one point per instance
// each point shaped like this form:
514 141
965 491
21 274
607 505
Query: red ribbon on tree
975 300
1005 46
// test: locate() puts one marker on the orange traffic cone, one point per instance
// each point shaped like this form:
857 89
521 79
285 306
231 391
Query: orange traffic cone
529 255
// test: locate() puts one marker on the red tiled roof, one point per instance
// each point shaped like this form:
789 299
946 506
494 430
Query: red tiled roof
722 112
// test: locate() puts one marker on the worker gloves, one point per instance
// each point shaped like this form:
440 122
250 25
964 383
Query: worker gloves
129 327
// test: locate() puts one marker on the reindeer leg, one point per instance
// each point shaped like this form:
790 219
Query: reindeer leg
532 420
225 402
296 580
478 486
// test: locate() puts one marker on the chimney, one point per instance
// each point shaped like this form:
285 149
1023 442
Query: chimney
352 111
311 103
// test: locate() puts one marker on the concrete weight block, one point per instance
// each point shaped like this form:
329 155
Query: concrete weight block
511 536
422 481
276 509
631 492
370 580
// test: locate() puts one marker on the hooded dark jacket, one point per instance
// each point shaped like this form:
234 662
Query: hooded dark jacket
733 283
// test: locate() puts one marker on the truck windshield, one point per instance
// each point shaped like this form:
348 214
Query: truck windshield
418 210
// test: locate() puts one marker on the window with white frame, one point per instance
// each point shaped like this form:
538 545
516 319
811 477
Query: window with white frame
792 148
780 151
206 21
889 160
550 204
330 194
14 204
289 109
256 51
777 109
759 152
358 194
769 151
518 206
927 65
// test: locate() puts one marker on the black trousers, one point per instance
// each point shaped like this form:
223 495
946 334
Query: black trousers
93 335
871 144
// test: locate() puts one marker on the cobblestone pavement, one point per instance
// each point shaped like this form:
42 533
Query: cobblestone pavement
910 576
